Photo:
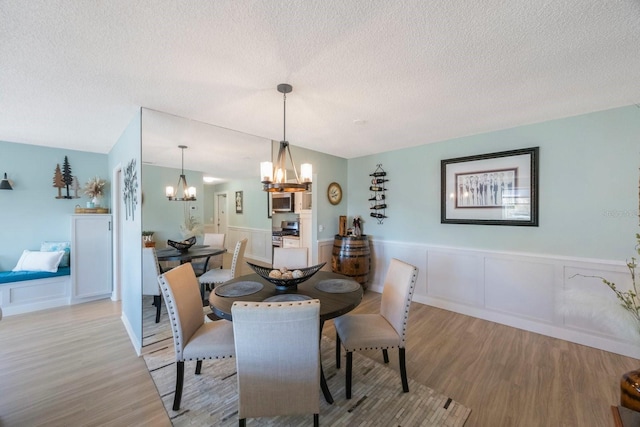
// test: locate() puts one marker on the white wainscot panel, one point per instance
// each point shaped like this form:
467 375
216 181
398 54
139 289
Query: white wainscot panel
589 305
325 251
454 276
521 288
381 254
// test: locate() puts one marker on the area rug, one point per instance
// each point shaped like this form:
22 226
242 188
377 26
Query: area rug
211 398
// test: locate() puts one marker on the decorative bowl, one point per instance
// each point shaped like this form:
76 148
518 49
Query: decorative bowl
184 245
307 272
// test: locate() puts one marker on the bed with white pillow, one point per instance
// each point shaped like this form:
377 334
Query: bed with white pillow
41 279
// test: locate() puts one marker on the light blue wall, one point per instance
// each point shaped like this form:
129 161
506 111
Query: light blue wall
30 213
127 148
254 209
326 169
161 215
588 188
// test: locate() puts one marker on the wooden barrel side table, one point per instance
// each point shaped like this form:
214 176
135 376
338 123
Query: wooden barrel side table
351 256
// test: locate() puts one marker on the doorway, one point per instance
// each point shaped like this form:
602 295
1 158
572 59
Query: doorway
221 213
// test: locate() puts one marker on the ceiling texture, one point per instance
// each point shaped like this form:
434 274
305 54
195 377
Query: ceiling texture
367 76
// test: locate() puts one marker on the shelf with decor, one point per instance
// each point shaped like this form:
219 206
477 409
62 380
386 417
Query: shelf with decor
378 197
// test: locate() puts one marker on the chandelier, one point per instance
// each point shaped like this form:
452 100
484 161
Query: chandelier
274 179
182 192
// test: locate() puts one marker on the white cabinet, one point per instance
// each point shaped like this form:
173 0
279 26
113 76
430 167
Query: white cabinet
290 242
302 202
91 254
305 235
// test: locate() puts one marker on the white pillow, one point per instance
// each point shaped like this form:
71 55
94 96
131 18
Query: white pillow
39 261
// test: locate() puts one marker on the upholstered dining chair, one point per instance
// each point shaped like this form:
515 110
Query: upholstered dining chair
215 240
291 258
277 358
385 330
215 277
150 273
193 339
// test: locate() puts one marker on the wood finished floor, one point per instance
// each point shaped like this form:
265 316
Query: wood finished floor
75 366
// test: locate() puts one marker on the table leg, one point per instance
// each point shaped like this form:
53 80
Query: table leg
323 381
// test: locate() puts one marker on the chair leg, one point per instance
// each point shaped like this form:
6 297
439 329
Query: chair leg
403 370
385 355
242 422
179 381
316 420
337 351
348 373
198 367
157 301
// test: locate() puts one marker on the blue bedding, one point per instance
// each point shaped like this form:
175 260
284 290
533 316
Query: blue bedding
18 276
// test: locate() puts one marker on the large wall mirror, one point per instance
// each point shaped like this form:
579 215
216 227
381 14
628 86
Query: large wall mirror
231 159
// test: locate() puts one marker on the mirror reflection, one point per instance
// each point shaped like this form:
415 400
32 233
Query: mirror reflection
222 166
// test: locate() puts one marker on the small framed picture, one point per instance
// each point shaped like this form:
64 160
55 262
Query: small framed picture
491 189
239 202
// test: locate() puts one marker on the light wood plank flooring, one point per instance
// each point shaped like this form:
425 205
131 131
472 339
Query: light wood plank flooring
75 366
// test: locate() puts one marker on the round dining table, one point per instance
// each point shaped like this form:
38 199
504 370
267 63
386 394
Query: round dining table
333 303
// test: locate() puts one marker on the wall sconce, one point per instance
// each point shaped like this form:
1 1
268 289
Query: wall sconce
5 184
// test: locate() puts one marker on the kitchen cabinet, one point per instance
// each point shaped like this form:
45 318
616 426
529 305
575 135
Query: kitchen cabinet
302 202
305 234
91 255
290 242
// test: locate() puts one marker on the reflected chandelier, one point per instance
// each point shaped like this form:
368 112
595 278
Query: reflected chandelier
182 192
274 180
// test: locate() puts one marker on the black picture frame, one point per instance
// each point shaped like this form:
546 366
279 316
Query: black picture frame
269 212
491 189
239 202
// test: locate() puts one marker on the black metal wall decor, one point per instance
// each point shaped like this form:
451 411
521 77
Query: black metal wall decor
378 198
130 190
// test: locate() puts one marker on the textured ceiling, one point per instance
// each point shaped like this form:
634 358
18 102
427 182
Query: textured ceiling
368 76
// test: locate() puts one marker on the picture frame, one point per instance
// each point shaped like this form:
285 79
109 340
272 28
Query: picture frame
269 213
239 202
491 189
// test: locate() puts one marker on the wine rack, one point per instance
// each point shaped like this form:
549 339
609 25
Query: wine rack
378 197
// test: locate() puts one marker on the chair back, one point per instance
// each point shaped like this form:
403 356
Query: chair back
215 240
397 293
291 258
181 292
238 256
283 377
150 272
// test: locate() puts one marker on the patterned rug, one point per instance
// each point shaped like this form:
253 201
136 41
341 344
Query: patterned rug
377 398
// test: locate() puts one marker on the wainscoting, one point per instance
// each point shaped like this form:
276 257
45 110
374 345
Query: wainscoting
534 292
258 244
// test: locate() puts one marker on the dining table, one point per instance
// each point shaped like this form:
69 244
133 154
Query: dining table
194 252
338 295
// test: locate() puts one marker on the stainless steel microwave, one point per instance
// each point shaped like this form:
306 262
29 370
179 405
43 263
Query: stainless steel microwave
282 202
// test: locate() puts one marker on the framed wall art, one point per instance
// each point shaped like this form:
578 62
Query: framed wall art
239 202
492 189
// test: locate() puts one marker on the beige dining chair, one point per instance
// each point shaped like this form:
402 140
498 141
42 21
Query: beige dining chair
214 240
384 330
277 358
291 258
193 339
218 276
150 273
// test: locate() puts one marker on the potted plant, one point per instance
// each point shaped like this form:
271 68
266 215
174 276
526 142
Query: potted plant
94 189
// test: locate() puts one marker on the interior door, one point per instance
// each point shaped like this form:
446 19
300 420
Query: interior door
221 213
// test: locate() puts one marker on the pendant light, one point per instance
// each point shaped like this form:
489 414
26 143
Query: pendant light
275 179
182 192
5 184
